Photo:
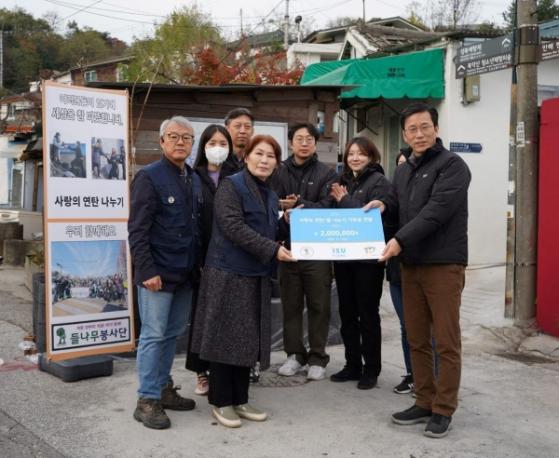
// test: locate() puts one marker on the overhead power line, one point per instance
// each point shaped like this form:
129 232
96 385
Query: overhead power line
82 9
100 11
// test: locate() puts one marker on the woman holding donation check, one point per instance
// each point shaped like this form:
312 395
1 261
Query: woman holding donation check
232 322
359 283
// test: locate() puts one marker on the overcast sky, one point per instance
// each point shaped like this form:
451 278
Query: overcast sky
86 259
125 19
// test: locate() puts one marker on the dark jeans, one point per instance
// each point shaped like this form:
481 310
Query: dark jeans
432 297
359 291
396 295
228 385
310 283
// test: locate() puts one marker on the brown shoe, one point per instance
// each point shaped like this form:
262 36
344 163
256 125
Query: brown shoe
171 400
151 414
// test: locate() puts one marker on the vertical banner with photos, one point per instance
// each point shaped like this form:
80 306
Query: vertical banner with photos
87 259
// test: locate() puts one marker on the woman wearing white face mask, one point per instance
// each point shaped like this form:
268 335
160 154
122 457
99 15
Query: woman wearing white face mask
212 164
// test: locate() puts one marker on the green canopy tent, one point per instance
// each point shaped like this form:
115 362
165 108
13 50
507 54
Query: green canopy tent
416 75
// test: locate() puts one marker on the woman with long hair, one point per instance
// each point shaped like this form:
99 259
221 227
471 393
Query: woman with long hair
212 164
359 283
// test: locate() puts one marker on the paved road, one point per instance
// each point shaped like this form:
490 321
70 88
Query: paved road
508 407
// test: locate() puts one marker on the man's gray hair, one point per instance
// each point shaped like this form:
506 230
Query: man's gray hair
181 120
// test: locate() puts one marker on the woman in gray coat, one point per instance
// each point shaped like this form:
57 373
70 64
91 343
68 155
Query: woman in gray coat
232 322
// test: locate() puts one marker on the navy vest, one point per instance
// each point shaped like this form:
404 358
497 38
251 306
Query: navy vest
174 236
224 254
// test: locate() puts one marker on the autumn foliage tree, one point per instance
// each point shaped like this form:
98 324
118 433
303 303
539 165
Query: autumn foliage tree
267 66
33 49
240 68
175 55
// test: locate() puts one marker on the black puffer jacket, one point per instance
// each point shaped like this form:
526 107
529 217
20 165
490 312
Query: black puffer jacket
432 193
370 184
310 180
208 193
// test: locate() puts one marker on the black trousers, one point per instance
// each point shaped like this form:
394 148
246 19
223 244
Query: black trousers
228 385
359 291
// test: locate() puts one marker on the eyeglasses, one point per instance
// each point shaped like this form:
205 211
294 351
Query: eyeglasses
424 128
174 137
303 140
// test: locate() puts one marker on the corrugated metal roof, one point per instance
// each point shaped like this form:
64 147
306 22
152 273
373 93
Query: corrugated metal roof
550 29
381 37
215 89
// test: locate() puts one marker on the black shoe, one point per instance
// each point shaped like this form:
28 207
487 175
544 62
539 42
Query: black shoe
438 426
411 416
346 374
151 414
405 386
171 400
367 381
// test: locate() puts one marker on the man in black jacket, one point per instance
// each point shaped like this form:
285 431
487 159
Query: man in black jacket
303 180
432 193
164 241
239 122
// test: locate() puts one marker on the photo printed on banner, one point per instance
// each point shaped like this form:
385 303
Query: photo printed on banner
108 158
89 277
67 157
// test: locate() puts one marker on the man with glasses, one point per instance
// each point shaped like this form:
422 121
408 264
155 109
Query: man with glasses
303 180
164 241
432 192
239 122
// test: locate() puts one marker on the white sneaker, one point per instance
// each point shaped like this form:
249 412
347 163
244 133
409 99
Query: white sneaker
316 373
290 367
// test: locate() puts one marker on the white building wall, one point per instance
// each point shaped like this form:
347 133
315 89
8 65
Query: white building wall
65 78
485 122
304 58
548 72
311 53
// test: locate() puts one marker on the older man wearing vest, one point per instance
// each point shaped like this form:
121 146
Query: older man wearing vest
164 240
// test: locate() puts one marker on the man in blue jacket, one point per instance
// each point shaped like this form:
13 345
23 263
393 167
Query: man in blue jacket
164 241
432 192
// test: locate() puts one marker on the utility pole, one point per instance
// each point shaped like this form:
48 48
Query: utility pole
364 12
511 201
527 47
242 23
286 26
298 20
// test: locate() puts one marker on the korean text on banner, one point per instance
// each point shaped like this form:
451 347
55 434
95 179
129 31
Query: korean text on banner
336 234
87 262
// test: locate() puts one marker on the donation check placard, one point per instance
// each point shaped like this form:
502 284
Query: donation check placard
336 234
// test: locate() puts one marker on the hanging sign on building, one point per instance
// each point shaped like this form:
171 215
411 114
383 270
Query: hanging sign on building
549 49
87 260
462 147
485 56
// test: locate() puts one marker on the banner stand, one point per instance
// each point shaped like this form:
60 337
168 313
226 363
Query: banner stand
88 275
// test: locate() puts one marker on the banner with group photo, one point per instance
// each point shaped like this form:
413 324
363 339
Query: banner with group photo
87 262
336 234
